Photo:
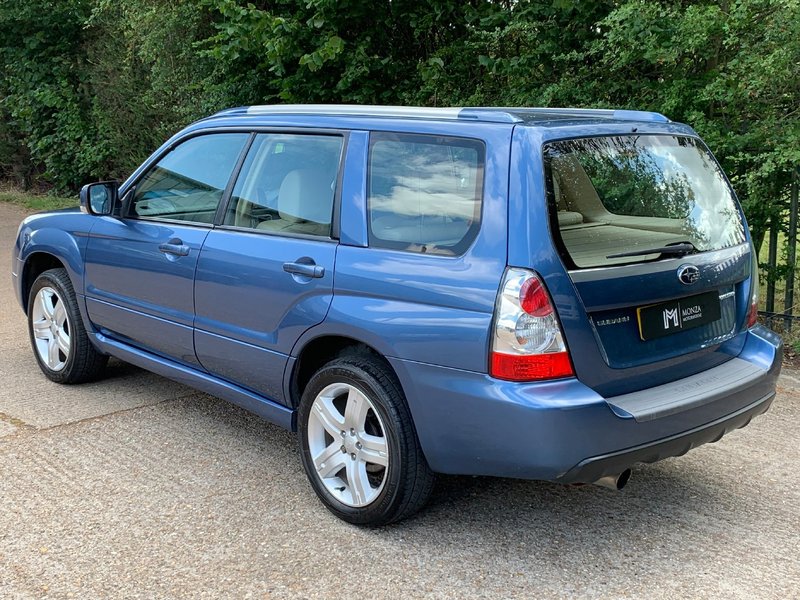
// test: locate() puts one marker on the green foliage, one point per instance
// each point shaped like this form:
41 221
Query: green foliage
88 88
44 96
147 76
359 51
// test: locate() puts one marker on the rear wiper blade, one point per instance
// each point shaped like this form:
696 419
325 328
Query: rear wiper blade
681 249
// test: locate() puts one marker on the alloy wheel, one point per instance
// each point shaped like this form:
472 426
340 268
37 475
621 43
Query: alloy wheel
51 328
348 445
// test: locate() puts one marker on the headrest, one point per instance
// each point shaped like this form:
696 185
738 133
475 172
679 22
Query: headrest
566 218
306 195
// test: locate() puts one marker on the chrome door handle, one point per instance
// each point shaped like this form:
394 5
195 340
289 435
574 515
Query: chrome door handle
175 247
304 269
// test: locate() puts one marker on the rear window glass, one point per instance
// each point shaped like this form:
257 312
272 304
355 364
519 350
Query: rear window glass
630 194
424 192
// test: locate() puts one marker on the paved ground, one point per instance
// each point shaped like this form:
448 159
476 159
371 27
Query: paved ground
139 487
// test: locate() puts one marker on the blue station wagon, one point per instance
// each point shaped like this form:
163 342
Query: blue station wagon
551 294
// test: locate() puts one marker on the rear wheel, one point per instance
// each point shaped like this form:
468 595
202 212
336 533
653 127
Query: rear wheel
58 337
358 443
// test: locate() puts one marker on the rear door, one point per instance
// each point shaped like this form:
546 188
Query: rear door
265 275
654 247
140 266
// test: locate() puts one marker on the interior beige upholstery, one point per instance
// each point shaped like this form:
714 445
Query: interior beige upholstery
567 218
305 204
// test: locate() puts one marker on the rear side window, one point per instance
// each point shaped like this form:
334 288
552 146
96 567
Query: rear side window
425 192
615 198
287 184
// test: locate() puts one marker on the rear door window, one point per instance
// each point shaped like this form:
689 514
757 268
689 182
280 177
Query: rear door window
618 195
287 184
425 192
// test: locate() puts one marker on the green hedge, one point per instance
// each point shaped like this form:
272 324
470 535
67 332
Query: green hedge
89 88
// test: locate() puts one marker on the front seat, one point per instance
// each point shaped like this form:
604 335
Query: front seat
305 204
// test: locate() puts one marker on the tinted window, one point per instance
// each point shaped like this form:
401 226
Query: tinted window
287 184
187 183
424 192
625 194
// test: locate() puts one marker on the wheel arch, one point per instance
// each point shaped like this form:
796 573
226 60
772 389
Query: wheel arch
47 248
35 264
312 351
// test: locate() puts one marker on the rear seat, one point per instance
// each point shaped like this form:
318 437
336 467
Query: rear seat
565 217
419 229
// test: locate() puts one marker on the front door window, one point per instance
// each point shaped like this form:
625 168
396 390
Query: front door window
187 184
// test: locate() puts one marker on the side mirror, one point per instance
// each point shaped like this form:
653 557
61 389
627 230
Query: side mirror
99 198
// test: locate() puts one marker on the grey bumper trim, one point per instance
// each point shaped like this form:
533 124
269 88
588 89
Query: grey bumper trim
594 468
685 394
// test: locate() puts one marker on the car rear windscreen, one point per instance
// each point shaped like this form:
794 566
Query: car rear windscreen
625 195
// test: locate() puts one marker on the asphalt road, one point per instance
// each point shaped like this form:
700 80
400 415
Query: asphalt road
137 487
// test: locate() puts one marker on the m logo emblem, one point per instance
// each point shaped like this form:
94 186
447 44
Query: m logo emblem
671 318
688 274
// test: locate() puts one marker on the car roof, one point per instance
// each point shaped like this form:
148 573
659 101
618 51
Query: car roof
509 115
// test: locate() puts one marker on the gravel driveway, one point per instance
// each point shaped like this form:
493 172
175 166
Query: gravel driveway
137 487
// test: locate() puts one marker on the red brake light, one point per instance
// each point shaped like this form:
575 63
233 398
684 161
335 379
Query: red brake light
752 314
528 343
752 311
533 298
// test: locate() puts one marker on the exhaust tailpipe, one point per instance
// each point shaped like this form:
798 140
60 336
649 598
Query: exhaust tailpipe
614 482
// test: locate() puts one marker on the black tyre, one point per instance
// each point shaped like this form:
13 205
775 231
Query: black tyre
358 443
58 337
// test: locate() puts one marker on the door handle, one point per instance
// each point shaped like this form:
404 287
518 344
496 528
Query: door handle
175 247
304 269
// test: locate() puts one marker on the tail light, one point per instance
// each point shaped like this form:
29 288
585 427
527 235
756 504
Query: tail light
752 310
527 342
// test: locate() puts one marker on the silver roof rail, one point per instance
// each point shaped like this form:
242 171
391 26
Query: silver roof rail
402 112
486 114
580 113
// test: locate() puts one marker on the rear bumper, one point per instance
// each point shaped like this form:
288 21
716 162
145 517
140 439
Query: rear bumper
592 469
471 424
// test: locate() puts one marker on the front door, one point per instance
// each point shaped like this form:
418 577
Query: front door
265 275
140 266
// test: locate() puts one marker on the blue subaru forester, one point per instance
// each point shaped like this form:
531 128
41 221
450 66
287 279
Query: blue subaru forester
536 293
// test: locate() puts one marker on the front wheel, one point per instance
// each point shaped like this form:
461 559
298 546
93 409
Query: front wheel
60 343
358 443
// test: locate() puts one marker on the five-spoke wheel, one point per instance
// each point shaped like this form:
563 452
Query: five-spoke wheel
50 328
58 336
358 443
347 444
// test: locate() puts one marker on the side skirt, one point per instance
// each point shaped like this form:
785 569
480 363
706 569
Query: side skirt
263 407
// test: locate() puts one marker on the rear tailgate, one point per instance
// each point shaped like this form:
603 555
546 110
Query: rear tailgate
644 314
656 258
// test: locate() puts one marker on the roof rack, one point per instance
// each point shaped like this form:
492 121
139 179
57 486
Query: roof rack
486 114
